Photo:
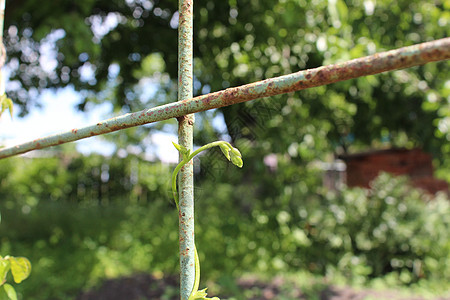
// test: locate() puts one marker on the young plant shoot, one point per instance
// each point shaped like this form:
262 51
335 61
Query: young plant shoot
233 155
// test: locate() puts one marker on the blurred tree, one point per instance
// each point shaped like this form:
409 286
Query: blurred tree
124 52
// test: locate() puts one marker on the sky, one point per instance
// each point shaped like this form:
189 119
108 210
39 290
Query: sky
58 114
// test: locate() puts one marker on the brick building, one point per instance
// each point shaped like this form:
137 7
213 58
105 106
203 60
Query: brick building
362 168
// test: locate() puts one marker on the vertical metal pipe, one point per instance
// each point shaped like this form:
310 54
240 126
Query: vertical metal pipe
185 138
2 18
2 48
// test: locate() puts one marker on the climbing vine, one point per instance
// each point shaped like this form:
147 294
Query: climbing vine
233 155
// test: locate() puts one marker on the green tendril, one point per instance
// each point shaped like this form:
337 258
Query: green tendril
233 155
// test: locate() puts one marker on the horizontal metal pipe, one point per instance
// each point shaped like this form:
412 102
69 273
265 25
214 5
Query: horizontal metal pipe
386 61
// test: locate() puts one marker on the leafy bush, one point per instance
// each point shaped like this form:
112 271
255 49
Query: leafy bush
389 228
74 247
81 179
278 225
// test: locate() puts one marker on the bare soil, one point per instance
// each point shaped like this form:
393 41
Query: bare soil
144 286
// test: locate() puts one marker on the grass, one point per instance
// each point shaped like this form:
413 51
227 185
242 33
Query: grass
74 248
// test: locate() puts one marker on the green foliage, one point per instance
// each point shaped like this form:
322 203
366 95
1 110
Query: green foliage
111 225
69 204
103 242
20 268
267 222
386 229
362 234
238 42
79 179
8 292
6 103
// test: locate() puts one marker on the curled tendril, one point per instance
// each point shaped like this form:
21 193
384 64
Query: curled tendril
233 155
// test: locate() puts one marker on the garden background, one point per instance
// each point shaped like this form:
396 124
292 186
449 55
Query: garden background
81 219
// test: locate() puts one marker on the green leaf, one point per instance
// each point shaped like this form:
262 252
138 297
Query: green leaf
3 294
10 106
179 148
184 152
236 157
202 295
10 291
2 103
20 268
237 161
236 152
6 103
226 150
342 10
4 268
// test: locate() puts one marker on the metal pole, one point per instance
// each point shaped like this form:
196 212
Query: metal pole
2 18
2 46
185 138
381 62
